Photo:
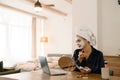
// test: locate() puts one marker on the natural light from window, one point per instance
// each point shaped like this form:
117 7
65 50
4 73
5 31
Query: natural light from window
15 36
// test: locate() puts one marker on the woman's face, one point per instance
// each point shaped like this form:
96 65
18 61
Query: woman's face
80 42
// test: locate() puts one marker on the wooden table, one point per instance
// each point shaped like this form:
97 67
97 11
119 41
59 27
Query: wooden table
39 75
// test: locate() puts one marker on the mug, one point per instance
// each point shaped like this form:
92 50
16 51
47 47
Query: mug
105 73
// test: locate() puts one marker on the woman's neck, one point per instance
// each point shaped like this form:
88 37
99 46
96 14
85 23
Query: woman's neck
87 50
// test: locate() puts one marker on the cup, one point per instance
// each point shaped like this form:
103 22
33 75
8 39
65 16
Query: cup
105 73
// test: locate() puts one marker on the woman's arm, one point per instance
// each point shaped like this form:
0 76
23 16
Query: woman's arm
99 63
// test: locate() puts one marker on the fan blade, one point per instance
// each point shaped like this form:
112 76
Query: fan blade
51 5
33 1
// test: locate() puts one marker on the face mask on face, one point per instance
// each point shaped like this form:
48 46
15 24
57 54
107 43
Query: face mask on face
81 44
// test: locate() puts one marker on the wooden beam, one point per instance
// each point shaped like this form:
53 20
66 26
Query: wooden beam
34 55
23 11
54 10
69 1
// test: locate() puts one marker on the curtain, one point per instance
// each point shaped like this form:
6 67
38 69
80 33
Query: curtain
15 37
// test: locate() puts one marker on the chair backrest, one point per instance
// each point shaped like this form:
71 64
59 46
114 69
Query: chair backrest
1 66
58 55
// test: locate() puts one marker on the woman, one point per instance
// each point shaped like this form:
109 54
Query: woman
87 58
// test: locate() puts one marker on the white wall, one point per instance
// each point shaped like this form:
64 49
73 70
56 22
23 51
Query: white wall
84 15
59 32
102 16
109 26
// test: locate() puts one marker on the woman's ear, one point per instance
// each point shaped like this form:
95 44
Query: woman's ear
88 42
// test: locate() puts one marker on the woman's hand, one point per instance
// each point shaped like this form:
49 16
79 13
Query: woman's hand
85 70
81 55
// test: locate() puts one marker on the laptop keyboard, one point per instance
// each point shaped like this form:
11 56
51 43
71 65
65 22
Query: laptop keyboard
57 71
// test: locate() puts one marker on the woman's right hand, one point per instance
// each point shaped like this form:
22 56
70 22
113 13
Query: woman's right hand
81 55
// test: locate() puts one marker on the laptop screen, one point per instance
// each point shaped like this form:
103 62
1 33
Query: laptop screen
44 64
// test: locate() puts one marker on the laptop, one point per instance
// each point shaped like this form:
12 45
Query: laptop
47 70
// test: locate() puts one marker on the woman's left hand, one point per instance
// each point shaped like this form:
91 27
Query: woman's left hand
85 70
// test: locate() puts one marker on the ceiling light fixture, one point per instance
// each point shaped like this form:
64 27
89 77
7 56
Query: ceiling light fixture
38 6
44 39
119 2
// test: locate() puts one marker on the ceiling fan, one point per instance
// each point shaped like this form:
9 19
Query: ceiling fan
38 5
46 6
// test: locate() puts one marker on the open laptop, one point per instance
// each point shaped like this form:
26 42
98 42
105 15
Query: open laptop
46 69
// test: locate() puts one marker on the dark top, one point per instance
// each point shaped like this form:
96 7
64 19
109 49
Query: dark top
95 61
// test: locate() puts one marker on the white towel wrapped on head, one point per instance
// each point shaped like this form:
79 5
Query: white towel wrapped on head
88 35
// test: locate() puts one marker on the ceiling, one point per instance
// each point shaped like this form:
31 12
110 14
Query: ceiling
62 7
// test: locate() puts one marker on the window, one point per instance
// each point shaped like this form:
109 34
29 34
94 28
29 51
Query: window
15 36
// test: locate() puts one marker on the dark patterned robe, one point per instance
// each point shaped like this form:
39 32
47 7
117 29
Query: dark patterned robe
95 61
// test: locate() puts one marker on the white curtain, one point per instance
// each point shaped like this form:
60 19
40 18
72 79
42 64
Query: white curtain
15 37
